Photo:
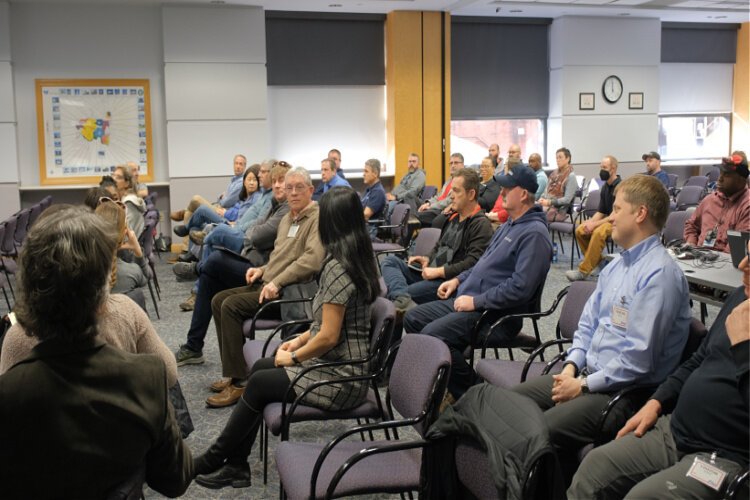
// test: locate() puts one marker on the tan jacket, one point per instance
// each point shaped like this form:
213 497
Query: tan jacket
298 253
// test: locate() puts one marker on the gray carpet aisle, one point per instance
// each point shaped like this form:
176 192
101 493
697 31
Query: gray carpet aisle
195 379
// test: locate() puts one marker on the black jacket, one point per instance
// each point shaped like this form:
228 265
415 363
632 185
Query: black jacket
476 237
510 427
488 194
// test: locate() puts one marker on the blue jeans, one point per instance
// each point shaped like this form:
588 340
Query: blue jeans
403 281
438 319
225 236
219 272
202 216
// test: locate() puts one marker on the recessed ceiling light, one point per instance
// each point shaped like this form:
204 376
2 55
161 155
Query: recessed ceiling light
720 17
218 2
334 5
623 14
497 10
516 11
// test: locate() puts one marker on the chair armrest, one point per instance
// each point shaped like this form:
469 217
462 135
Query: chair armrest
395 250
539 350
368 452
270 303
642 390
736 484
281 328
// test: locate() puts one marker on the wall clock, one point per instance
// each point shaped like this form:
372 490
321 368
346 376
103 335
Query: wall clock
612 89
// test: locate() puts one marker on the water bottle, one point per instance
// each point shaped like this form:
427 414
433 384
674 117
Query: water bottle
554 253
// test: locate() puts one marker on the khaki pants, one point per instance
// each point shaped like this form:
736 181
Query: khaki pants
591 246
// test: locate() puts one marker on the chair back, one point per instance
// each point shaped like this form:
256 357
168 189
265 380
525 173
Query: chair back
425 241
579 293
382 318
7 245
400 219
34 214
697 180
22 225
672 181
689 196
674 229
591 204
696 335
428 192
46 202
147 237
418 378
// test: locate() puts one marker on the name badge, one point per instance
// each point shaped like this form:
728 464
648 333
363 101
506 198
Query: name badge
292 231
706 473
620 316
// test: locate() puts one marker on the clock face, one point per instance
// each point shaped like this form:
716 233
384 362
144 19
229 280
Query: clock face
612 89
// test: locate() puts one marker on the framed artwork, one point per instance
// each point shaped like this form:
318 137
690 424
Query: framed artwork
635 100
85 128
586 101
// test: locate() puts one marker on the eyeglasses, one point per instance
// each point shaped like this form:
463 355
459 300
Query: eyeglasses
107 199
297 188
282 164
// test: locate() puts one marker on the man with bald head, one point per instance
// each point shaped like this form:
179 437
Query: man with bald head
514 151
535 162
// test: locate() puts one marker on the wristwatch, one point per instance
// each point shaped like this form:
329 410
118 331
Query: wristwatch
584 385
294 358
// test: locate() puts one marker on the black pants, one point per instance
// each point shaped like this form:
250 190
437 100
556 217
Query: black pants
267 384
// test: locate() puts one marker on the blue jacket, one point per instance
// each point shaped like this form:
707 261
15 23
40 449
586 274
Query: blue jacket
239 208
323 187
232 194
513 266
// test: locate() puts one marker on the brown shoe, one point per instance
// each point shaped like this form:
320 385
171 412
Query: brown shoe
177 216
448 400
229 396
220 384
189 305
197 237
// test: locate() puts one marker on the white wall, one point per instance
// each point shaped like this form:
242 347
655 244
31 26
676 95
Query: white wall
9 199
84 41
583 52
305 122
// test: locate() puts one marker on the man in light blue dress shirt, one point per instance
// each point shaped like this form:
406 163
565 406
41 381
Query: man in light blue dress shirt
632 330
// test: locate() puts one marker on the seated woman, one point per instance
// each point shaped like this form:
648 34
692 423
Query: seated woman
135 207
99 413
561 188
210 214
128 278
340 331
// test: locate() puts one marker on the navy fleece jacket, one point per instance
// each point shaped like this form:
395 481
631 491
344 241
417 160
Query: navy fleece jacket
513 266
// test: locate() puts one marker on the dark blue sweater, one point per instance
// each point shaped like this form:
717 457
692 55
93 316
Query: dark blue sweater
513 266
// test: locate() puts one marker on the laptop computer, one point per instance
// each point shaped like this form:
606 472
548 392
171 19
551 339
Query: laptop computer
738 245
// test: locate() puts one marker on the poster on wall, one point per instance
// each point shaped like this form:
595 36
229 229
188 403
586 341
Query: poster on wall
86 128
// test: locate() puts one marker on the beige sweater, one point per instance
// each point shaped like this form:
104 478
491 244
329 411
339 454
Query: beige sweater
122 324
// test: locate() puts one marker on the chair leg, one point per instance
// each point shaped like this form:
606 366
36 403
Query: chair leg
153 299
704 312
5 294
10 285
573 247
156 280
265 454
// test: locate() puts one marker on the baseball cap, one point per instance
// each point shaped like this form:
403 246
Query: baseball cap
735 163
520 175
651 154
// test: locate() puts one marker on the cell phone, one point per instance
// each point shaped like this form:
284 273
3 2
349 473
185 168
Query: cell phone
415 266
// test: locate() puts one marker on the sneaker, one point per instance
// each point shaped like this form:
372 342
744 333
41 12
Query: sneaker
187 356
187 271
180 230
197 236
575 275
189 304
404 303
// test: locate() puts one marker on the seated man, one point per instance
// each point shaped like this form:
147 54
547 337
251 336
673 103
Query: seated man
690 439
135 171
535 162
632 330
373 199
222 270
328 178
463 239
592 234
225 200
728 208
497 162
410 186
435 205
297 257
335 156
653 167
503 280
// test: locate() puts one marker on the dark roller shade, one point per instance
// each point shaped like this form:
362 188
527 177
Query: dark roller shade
306 48
698 43
499 68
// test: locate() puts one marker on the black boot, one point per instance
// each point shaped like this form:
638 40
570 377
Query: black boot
234 475
235 438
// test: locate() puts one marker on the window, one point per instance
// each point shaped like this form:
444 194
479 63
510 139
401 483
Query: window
683 137
471 138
